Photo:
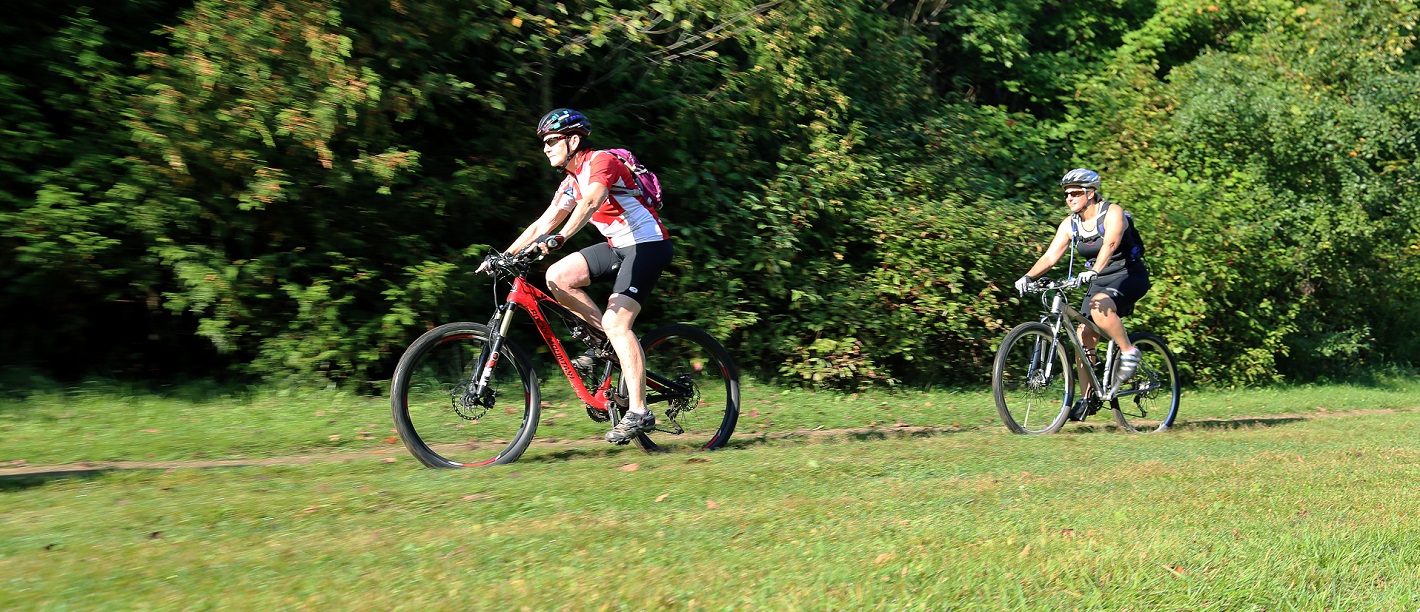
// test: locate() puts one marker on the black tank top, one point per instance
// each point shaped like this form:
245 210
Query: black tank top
1089 241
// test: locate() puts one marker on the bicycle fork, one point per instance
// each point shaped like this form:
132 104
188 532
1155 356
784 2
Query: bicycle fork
488 357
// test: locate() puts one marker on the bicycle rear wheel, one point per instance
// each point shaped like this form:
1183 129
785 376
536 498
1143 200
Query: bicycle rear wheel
1153 404
437 417
692 386
1032 381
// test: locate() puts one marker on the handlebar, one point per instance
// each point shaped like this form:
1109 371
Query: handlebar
500 264
1045 284
503 264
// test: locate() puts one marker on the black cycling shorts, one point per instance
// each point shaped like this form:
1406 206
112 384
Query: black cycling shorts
635 267
1125 287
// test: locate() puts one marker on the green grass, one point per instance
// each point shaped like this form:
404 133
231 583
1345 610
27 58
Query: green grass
108 422
1259 513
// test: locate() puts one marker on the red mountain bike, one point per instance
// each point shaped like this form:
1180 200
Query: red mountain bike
465 395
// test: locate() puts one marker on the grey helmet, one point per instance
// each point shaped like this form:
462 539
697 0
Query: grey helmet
1083 177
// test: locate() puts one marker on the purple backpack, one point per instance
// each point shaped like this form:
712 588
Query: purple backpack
646 182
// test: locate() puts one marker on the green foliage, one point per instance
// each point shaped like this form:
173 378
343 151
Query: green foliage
1278 179
303 187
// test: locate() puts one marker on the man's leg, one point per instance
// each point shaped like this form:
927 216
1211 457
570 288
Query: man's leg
620 315
565 281
637 277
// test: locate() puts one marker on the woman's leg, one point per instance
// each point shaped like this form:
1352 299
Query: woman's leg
1105 315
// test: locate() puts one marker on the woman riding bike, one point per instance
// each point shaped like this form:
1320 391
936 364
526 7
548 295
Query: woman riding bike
1115 272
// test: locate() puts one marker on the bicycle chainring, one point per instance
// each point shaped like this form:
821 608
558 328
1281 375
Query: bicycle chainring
597 415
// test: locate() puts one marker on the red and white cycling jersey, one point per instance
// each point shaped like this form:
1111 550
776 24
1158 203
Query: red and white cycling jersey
625 219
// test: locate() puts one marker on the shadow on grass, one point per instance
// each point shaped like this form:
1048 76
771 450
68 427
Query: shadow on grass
578 452
1238 423
853 435
742 442
21 482
1108 427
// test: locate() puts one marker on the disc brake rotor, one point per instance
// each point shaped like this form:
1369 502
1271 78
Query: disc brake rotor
469 407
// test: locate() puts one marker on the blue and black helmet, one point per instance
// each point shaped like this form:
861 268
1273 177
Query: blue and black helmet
1083 177
564 121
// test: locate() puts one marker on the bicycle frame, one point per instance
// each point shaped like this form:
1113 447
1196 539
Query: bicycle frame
1060 313
530 299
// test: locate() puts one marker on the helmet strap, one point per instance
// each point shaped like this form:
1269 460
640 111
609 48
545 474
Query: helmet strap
567 142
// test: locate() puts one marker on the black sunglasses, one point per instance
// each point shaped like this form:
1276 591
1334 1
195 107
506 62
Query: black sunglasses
1075 193
552 140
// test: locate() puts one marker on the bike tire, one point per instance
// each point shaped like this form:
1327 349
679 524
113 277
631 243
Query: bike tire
439 427
1027 400
698 410
1154 410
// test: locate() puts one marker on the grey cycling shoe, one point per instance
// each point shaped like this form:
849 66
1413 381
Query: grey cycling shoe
1128 364
629 426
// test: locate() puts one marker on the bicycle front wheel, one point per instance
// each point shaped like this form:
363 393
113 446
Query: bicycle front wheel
1032 381
692 386
1148 402
436 413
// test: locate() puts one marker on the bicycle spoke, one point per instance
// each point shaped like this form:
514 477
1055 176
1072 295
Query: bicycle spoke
1031 380
1149 401
693 388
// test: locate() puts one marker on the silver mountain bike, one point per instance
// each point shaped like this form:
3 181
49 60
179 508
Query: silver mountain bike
1034 376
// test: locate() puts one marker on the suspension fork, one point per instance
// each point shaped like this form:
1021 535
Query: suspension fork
1055 323
488 357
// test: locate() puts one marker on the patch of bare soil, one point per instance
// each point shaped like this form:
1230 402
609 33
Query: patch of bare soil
397 453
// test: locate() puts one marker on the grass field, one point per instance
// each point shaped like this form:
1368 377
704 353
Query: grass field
1249 503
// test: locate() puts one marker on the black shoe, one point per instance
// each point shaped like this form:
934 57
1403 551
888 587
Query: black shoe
629 426
586 363
1083 408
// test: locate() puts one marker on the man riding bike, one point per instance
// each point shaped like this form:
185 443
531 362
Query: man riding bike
600 188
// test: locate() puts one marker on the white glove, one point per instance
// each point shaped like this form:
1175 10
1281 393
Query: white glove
1087 276
1023 284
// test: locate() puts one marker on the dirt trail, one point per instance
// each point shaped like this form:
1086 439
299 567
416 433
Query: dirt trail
395 453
